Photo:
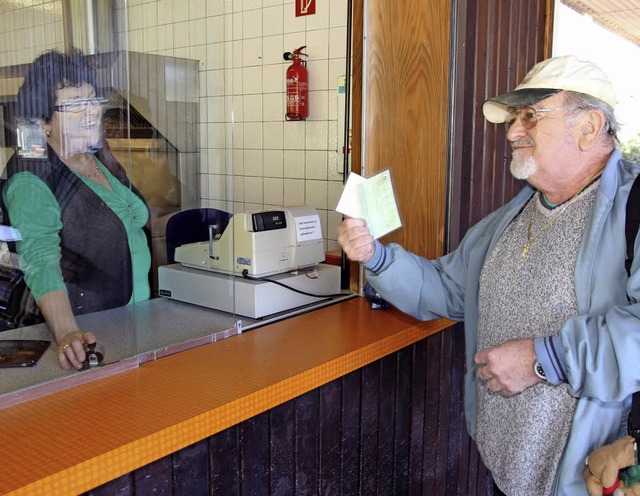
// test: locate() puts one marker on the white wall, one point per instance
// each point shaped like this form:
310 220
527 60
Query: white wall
251 158
27 28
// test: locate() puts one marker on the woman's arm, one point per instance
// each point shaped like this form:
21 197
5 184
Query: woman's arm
62 324
34 211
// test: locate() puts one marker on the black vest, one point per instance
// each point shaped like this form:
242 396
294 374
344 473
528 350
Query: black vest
95 255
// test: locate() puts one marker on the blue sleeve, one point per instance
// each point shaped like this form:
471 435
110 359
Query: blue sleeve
381 258
429 289
551 355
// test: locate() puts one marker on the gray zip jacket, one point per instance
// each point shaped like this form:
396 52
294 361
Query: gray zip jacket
597 352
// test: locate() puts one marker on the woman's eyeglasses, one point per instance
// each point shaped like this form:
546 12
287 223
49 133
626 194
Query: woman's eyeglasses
529 116
77 106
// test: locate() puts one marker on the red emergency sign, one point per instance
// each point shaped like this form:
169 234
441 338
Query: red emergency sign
305 7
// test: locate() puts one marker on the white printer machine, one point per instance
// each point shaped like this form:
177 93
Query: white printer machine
264 263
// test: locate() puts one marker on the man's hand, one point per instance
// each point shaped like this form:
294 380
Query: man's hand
507 368
356 240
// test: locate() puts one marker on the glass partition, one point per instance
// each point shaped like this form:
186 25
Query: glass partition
152 173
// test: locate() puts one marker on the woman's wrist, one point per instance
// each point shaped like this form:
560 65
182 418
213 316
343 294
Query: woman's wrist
65 338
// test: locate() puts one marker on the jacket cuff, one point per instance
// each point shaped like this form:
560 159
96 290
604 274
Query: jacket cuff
550 354
381 258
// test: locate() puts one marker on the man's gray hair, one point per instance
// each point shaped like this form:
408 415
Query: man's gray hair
586 102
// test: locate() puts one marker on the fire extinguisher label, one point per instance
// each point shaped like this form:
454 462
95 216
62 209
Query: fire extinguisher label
297 96
297 100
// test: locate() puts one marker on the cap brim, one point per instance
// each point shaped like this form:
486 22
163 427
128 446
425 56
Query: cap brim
496 109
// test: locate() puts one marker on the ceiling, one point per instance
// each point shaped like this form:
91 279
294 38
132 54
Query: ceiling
620 16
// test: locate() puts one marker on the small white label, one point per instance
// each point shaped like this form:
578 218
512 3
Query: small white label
308 228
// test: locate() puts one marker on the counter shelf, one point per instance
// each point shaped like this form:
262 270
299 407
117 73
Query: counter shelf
131 335
141 415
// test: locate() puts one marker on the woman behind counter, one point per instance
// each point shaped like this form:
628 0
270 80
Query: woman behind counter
84 247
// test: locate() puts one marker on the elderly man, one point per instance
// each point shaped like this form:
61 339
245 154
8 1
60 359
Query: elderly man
551 320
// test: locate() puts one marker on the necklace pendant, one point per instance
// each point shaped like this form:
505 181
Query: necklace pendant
524 251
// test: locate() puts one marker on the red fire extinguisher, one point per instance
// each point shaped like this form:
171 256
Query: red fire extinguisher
297 86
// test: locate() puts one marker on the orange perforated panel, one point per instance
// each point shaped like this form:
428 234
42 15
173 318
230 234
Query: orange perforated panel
77 439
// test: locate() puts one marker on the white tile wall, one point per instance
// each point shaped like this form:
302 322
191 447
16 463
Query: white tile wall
298 163
27 28
251 156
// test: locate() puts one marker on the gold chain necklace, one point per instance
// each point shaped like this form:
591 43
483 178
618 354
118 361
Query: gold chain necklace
93 175
531 239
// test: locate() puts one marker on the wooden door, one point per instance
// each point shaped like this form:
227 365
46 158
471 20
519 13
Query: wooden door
405 112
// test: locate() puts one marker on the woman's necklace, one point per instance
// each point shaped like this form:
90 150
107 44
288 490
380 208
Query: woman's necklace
530 238
93 175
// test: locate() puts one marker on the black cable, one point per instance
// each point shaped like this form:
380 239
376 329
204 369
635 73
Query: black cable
245 274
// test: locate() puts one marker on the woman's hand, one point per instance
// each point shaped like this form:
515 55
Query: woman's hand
62 324
71 349
356 240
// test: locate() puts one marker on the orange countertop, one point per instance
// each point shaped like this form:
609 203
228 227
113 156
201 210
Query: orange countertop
71 441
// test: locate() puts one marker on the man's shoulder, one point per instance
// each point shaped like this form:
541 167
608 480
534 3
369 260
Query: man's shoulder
624 165
633 168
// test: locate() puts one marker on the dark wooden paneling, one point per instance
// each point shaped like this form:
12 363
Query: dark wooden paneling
395 427
155 478
369 427
254 448
190 469
330 408
432 395
402 421
497 42
386 424
224 449
122 486
283 447
350 439
417 443
307 435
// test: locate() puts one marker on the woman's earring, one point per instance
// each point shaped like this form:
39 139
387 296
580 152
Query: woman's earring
48 133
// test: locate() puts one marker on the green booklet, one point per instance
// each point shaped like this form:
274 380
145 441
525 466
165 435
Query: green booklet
373 200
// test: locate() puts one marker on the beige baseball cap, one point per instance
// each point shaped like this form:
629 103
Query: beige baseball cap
567 73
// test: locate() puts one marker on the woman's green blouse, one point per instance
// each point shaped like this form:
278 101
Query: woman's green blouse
34 211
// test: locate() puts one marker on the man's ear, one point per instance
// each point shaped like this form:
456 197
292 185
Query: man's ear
591 125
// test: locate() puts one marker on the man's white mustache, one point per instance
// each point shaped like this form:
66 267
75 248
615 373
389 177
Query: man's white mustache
521 143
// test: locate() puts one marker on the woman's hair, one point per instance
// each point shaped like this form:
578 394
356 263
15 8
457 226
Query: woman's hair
48 73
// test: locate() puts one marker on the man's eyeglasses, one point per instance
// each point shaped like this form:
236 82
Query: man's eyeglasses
529 115
77 106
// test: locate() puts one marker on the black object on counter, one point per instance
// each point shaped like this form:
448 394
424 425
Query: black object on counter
376 301
21 352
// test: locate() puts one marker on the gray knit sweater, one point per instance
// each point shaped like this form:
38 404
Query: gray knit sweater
521 438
